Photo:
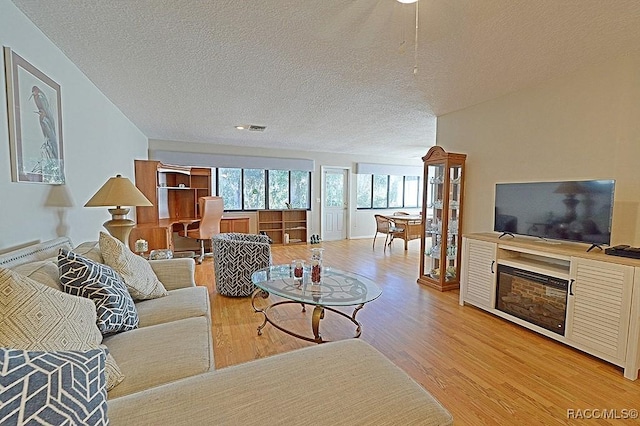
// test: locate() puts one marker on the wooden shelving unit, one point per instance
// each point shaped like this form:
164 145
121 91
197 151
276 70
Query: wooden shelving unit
174 192
277 223
295 224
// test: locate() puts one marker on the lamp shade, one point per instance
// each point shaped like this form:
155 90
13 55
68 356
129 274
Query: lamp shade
118 191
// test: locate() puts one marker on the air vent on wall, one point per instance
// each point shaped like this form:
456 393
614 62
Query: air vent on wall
254 128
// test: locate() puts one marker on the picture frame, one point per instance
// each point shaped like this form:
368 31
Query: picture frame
34 109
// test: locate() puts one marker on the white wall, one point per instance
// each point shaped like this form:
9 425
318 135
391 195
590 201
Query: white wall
582 126
99 142
362 221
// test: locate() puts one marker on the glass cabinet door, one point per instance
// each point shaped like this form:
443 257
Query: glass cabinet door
453 218
433 225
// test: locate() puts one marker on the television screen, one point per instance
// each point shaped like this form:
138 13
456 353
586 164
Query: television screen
570 210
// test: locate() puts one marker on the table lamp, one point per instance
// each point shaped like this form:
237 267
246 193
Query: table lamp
570 190
119 191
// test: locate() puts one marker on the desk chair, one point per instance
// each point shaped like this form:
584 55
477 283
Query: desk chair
211 209
387 227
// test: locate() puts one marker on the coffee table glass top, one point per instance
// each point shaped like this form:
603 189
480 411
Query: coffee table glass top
336 288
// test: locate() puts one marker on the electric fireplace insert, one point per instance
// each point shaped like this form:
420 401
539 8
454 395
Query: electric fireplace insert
535 298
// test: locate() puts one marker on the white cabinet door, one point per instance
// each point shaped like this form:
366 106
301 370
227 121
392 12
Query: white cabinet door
478 273
599 306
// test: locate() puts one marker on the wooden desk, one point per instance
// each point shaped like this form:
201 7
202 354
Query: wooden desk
412 225
159 235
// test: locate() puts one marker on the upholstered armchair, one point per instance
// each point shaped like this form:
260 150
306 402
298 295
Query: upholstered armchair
235 258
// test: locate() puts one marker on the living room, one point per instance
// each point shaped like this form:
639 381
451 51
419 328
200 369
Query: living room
578 125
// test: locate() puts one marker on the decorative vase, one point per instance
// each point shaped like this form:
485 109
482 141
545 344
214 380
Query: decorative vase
316 265
297 267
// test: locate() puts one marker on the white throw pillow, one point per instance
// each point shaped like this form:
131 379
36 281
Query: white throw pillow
35 317
90 250
136 272
43 271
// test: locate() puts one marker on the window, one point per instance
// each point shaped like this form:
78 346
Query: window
387 191
230 188
300 187
278 189
254 189
334 189
412 191
363 195
396 191
380 191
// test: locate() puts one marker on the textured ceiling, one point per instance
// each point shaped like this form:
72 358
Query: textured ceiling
324 75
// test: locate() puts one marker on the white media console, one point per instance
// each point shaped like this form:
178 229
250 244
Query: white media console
601 297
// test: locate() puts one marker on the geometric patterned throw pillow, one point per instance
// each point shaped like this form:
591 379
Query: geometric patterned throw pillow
136 271
52 388
83 277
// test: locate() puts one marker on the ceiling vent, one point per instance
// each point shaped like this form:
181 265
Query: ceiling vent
254 128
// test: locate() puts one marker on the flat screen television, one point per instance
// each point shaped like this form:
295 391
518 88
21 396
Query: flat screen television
579 211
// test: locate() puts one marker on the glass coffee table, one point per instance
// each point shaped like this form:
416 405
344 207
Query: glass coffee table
337 288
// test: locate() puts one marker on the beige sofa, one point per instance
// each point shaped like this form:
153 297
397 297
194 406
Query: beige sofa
168 366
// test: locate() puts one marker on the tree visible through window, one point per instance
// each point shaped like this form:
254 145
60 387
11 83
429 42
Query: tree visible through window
300 187
334 187
278 189
396 191
364 195
230 188
380 187
254 189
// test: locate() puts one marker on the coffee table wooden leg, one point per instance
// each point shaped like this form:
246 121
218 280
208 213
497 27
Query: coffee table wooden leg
318 314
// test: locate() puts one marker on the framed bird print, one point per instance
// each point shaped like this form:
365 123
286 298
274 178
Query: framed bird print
35 122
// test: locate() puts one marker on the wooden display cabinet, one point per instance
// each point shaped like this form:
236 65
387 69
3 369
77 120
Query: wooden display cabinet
442 209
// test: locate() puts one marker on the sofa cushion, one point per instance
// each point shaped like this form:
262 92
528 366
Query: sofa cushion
90 250
43 271
53 388
178 304
135 270
83 277
36 317
158 354
341 383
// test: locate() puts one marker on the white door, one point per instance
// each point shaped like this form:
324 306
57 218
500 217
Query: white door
335 193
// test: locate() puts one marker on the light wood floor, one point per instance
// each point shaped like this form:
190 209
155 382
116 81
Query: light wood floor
484 370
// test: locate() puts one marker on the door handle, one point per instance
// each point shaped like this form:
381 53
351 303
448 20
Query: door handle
492 263
571 287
